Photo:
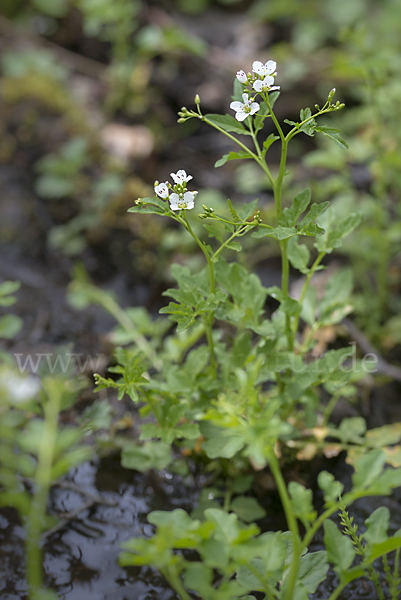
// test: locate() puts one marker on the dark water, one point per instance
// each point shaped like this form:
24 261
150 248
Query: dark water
81 559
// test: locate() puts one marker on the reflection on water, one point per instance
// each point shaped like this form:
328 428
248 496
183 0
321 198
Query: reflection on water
81 559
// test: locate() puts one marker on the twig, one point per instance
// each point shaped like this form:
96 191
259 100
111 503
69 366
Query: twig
96 499
67 517
382 365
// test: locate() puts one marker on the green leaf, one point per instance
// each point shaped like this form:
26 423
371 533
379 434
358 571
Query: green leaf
248 210
331 488
314 211
268 142
377 526
232 156
152 455
389 545
300 204
10 325
368 468
302 502
340 550
150 206
248 509
298 255
278 233
226 445
259 121
199 577
308 312
7 288
227 123
333 135
384 436
335 234
313 568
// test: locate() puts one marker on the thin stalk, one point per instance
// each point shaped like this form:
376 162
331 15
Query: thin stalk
235 234
305 289
291 522
175 582
260 162
205 252
255 140
270 595
37 514
209 318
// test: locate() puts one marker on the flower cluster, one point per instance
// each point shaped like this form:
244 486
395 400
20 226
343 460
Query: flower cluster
261 80
180 198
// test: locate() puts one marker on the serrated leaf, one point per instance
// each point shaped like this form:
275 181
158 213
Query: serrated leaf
300 204
331 488
248 509
10 325
368 468
314 211
298 255
232 156
377 526
277 233
227 123
333 135
340 550
247 210
268 142
313 568
150 206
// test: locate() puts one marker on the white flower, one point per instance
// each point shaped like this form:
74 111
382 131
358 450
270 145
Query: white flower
265 85
243 110
162 190
180 177
264 69
179 201
242 77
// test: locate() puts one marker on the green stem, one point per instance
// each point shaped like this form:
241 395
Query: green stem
305 289
204 250
172 577
338 591
255 140
260 162
270 595
291 522
37 513
235 234
209 317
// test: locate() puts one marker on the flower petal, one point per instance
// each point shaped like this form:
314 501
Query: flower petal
245 98
270 67
258 67
242 76
258 85
254 108
236 105
241 115
162 190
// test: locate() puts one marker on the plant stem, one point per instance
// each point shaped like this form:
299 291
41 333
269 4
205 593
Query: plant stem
291 522
171 575
278 185
37 513
260 162
209 317
240 231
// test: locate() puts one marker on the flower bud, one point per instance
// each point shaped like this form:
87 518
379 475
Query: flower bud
242 77
181 120
197 99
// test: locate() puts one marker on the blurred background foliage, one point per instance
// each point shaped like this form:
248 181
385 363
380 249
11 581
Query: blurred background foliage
89 92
